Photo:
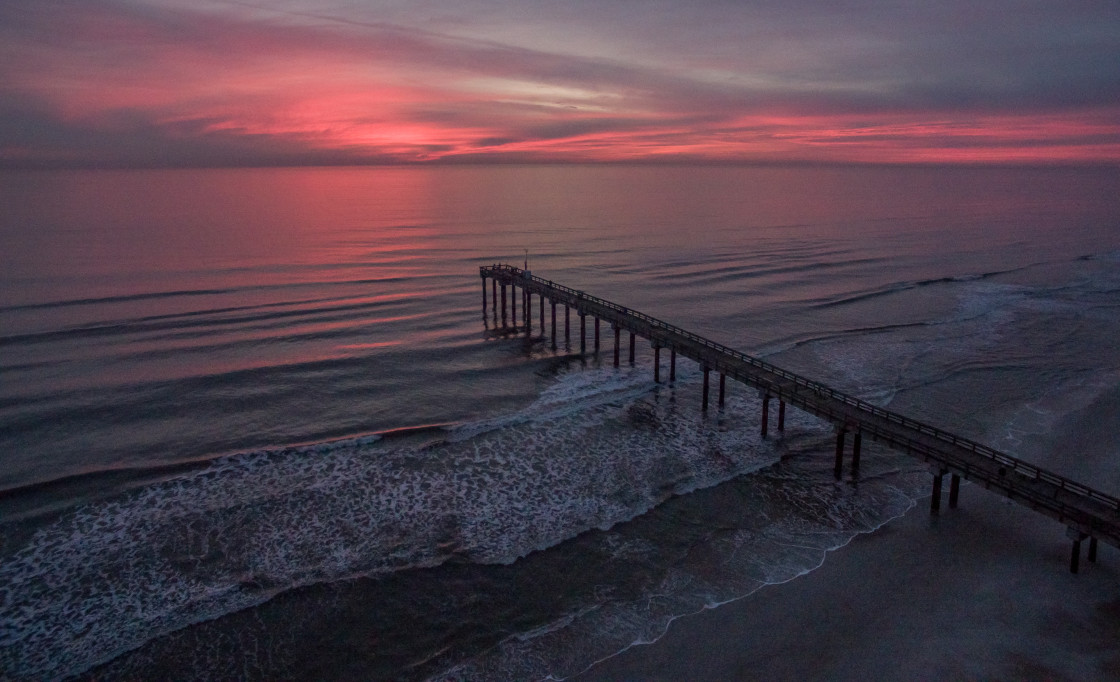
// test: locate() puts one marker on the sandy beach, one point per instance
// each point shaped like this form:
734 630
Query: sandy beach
980 592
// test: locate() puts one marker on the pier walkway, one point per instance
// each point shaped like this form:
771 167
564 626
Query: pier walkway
1087 513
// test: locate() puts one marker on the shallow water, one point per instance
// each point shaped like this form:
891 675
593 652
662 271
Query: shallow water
210 379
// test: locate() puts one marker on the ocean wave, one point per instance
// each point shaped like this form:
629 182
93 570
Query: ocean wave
596 449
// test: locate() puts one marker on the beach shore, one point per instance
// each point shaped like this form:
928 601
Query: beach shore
983 591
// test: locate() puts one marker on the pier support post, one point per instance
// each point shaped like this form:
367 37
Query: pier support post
528 312
838 469
617 342
1075 556
582 333
503 305
672 364
494 288
657 364
567 323
954 490
704 402
542 314
1092 550
935 500
596 336
632 337
857 444
553 324
722 387
765 414
483 294
513 304
781 415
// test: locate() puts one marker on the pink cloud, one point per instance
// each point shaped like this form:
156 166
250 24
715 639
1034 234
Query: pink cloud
108 79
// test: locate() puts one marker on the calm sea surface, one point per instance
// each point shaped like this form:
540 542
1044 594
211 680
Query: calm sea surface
255 423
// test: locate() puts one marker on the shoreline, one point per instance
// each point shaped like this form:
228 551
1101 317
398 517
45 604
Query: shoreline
982 591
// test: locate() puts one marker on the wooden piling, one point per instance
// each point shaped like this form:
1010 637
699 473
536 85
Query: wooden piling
781 415
704 402
513 304
935 500
503 305
857 444
954 490
722 387
617 342
1075 556
582 334
1092 550
567 324
542 314
672 364
596 336
484 294
838 469
494 287
632 337
553 323
657 364
765 414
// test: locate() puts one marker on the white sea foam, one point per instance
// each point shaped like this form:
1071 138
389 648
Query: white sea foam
597 448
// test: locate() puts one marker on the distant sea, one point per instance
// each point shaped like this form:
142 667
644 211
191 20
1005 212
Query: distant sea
255 423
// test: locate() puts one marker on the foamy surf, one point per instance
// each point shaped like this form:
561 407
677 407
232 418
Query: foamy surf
595 449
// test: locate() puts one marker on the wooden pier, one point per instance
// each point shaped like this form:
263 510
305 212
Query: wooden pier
1087 513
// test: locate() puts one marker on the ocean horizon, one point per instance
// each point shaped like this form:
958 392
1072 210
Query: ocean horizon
256 423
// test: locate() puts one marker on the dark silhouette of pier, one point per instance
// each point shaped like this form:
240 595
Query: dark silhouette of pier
1087 513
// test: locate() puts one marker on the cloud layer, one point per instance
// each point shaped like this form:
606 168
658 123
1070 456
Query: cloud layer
170 82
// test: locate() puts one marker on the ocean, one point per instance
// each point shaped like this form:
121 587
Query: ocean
256 424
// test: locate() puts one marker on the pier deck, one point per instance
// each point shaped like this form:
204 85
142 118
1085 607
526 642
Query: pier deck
1086 512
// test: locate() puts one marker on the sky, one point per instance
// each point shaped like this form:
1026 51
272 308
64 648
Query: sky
300 82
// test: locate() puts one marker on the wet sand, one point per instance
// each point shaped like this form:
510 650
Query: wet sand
983 591
979 592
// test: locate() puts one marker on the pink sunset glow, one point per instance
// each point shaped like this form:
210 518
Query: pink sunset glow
170 83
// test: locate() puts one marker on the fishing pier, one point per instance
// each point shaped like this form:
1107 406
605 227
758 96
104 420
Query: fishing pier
1088 514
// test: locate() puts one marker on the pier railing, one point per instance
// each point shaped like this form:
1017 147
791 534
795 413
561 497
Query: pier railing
1085 511
1005 460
